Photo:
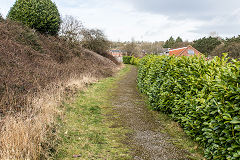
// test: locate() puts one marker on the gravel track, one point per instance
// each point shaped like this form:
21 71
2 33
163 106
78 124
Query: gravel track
147 141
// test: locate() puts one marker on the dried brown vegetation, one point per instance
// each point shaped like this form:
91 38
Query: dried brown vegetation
36 71
233 50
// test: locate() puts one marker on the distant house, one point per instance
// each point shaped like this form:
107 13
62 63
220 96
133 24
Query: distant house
185 51
118 54
165 51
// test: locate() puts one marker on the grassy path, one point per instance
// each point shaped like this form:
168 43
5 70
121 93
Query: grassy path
112 121
86 131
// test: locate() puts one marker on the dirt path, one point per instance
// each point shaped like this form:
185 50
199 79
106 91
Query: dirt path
148 140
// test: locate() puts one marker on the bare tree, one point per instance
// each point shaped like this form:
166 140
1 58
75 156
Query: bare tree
213 34
71 29
1 17
130 47
95 40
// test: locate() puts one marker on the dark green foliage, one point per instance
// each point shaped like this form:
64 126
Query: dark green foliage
134 61
233 39
203 96
127 59
206 45
130 60
179 40
169 43
41 15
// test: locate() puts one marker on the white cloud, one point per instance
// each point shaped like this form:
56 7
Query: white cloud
122 21
152 20
5 6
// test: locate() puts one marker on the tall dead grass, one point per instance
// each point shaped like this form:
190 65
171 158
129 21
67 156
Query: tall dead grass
25 135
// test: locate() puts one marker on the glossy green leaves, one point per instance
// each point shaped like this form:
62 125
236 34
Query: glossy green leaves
130 60
41 15
203 96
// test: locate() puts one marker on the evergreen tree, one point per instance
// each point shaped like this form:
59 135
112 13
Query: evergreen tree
206 45
41 15
169 43
179 40
233 39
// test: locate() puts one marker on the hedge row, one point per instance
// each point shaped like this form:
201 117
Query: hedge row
127 59
130 60
203 96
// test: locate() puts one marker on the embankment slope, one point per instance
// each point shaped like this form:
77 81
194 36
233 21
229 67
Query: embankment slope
35 72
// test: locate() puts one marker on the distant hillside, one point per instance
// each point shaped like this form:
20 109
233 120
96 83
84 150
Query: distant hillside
33 65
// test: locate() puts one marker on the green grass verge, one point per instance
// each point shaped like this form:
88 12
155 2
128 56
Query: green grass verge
85 130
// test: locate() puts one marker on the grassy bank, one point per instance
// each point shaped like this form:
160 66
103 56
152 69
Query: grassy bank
86 131
37 73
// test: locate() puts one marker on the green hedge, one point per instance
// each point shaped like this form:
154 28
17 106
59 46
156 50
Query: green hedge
203 96
134 61
130 60
127 59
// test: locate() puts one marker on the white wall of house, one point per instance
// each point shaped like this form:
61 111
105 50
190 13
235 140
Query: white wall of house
119 59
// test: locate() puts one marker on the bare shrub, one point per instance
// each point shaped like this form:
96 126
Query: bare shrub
71 29
95 40
233 50
130 48
74 32
1 17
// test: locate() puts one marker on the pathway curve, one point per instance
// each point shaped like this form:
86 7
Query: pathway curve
148 140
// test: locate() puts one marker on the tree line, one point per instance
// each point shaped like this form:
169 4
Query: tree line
209 46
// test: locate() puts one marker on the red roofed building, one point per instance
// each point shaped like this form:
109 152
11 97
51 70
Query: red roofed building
117 54
185 51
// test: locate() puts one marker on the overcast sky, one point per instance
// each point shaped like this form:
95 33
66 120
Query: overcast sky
152 20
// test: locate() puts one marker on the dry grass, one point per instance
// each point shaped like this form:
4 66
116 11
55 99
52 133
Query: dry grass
38 72
25 134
